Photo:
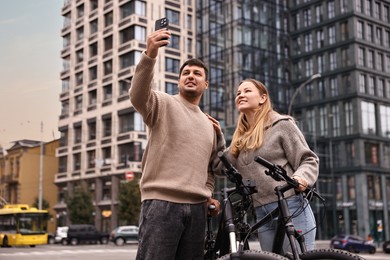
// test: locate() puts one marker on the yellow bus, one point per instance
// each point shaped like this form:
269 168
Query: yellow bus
21 225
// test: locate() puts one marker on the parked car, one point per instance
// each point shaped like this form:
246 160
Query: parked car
352 244
61 235
124 234
50 238
83 233
386 247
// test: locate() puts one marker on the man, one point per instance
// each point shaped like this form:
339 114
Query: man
176 184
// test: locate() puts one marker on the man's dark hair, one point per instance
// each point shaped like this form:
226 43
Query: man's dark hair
195 62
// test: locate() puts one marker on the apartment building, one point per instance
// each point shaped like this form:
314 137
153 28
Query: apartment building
344 113
329 62
28 169
102 136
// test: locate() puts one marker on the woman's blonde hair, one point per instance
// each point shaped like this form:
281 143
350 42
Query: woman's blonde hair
251 137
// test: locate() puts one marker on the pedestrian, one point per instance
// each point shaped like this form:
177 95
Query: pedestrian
261 131
177 183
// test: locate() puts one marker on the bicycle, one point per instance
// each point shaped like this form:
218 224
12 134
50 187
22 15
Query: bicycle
233 232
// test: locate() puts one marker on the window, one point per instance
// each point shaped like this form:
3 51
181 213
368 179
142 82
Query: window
335 120
173 16
308 42
94 4
106 152
344 31
92 96
332 34
66 63
66 41
108 43
348 110
80 33
309 67
93 73
332 60
323 121
386 13
107 92
92 130
93 26
318 13
91 156
351 187
362 83
107 67
79 55
133 7
78 102
130 121
129 59
320 39
62 164
65 108
77 162
108 19
360 28
334 91
331 9
380 87
350 153
379 62
189 22
64 137
370 33
77 134
79 78
80 10
67 19
359 6
133 32
172 65
368 10
124 86
370 59
378 36
371 85
368 117
385 120
175 41
371 153
361 56
306 17
107 128
171 88
93 49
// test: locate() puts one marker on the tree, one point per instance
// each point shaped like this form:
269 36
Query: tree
80 208
45 205
129 203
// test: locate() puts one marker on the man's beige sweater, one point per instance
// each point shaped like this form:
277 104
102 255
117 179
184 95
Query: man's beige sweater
180 143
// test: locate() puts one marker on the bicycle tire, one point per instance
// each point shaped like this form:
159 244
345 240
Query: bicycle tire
256 255
329 254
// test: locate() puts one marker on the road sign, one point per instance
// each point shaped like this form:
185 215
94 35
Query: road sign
129 176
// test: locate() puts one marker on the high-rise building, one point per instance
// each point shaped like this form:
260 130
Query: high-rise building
328 62
102 136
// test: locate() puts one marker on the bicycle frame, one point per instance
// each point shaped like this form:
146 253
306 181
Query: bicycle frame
284 225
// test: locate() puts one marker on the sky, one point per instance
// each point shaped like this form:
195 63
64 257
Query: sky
30 67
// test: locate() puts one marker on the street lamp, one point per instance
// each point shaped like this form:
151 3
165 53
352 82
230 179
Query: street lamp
313 77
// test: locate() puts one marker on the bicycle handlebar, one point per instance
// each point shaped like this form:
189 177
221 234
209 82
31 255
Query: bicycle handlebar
245 187
280 174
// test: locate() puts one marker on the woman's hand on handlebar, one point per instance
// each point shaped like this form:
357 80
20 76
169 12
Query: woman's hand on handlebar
302 184
213 207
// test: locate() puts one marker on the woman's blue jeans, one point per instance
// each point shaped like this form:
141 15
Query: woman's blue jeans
304 222
171 231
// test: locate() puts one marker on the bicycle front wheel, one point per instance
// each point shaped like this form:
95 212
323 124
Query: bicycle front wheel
329 254
256 255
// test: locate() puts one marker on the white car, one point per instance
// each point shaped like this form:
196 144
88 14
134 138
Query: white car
61 235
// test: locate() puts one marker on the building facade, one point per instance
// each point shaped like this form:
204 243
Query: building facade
344 114
102 136
20 174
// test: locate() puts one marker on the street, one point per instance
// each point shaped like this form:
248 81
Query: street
97 252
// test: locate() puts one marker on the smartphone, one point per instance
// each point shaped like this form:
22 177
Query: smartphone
161 23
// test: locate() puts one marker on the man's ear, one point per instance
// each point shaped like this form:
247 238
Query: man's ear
207 84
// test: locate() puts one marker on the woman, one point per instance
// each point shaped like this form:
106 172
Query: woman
261 131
